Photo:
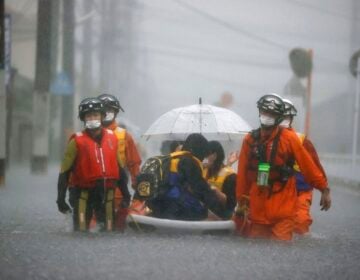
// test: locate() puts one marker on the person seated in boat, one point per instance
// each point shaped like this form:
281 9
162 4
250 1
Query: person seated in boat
170 146
187 196
220 177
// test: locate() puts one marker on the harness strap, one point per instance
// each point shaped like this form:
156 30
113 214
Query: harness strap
262 158
273 153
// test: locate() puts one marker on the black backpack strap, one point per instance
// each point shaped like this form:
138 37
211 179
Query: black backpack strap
255 134
261 148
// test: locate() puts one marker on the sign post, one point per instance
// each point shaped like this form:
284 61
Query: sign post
62 85
301 63
308 97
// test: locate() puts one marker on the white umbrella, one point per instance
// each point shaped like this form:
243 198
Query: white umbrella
214 122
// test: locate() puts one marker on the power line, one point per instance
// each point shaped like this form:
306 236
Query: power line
321 10
244 32
192 56
234 61
164 15
207 77
205 56
237 29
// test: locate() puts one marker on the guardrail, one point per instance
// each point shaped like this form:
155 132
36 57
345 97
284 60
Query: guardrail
339 158
341 166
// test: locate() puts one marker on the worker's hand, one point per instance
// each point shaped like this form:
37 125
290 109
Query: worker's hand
124 203
63 206
240 216
220 195
241 224
325 200
242 207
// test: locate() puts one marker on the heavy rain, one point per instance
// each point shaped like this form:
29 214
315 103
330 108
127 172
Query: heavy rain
155 57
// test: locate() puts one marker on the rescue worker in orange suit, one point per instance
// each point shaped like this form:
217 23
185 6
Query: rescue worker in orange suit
303 218
220 177
266 186
129 155
92 160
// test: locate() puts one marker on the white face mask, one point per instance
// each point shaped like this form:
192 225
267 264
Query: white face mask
93 124
109 116
285 123
266 120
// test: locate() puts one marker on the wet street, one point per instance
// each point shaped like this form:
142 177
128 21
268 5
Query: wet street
35 243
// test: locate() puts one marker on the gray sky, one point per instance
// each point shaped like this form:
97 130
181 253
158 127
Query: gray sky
202 48
185 49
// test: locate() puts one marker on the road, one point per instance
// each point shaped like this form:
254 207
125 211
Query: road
35 243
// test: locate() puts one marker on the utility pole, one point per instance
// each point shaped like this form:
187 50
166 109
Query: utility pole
108 57
68 68
104 47
9 84
41 98
3 108
87 46
55 101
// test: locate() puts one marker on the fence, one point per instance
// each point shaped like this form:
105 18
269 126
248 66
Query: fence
340 166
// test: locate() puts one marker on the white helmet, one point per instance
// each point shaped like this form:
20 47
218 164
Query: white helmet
290 109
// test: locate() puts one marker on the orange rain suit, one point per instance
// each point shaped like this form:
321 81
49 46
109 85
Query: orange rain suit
272 214
129 156
303 218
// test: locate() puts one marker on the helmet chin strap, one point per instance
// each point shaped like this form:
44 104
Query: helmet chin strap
268 127
94 132
107 123
278 120
291 121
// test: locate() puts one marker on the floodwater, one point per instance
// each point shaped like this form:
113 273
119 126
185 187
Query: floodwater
36 243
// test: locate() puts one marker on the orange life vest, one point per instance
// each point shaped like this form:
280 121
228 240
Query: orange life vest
95 161
121 135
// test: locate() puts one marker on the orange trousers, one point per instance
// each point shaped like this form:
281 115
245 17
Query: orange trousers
282 230
303 218
117 199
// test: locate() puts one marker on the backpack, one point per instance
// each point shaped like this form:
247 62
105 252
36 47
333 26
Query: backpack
153 177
